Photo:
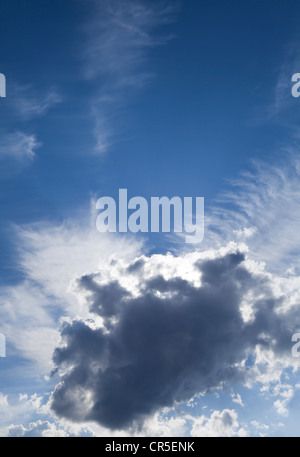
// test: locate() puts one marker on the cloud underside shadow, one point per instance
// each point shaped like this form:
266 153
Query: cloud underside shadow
165 344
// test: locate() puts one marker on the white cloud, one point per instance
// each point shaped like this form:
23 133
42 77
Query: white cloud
37 429
219 424
162 426
281 405
118 41
282 97
19 146
262 207
17 415
119 36
51 257
28 104
260 429
237 399
17 410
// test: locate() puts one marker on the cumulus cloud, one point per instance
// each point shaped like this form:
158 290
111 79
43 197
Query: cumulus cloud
17 409
44 429
286 394
237 399
219 424
38 429
161 337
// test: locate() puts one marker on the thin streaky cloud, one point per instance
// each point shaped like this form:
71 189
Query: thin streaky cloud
282 99
115 55
19 146
120 35
28 104
261 207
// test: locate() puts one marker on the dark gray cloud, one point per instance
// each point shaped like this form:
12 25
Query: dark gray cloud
106 299
172 341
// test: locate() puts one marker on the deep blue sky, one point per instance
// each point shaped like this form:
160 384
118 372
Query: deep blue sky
182 113
195 124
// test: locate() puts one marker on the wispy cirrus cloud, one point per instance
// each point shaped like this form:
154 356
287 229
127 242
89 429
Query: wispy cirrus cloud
119 39
262 208
19 146
24 105
119 36
27 104
282 102
50 257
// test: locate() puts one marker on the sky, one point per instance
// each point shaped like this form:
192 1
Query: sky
144 334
